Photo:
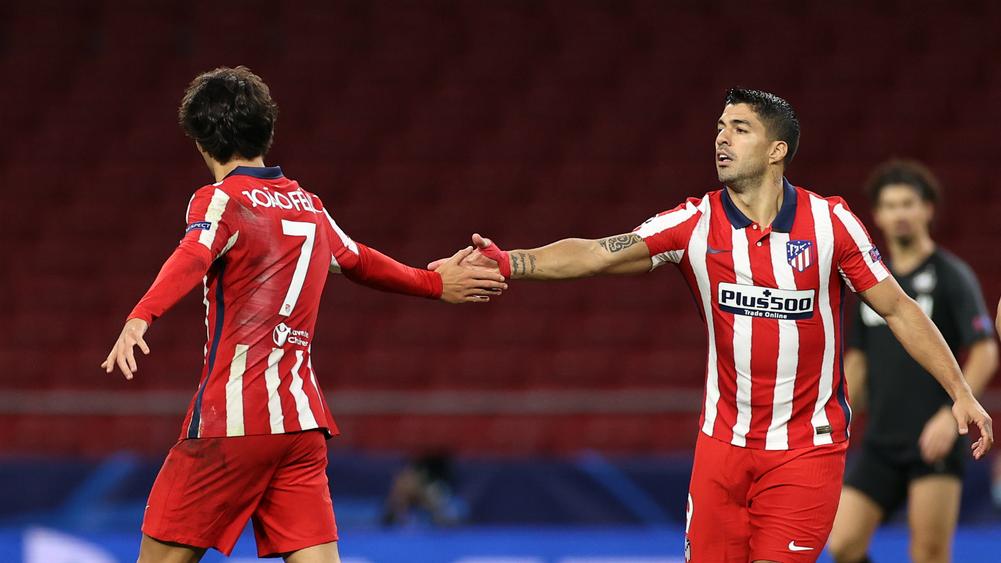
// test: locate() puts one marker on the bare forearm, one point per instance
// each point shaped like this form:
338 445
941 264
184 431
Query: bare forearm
565 259
981 365
923 341
580 258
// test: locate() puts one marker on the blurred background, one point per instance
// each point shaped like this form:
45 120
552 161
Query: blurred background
555 424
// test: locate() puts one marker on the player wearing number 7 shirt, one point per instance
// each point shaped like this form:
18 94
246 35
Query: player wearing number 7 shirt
252 445
767 263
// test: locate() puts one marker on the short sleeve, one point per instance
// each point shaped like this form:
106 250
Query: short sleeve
212 220
667 234
857 258
966 304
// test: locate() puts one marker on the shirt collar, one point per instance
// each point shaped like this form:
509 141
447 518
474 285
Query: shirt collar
783 221
259 172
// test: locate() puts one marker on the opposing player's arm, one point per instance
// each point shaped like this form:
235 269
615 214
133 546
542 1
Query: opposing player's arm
969 315
856 372
981 364
923 341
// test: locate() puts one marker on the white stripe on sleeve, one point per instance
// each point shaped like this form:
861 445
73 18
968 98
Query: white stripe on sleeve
858 235
662 223
217 206
345 240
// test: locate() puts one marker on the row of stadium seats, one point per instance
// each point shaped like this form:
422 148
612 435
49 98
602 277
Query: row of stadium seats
419 124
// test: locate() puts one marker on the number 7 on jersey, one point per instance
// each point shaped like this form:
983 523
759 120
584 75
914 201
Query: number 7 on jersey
298 229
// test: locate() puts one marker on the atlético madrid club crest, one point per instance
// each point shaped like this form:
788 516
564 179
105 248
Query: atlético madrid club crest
800 254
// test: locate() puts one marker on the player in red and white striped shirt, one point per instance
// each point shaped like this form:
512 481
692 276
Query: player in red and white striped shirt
252 444
768 263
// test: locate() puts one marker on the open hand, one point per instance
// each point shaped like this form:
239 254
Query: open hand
465 282
123 352
967 409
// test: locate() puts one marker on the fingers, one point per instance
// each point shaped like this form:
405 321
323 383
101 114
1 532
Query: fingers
461 255
987 427
130 357
486 274
123 366
491 285
480 242
986 440
980 447
986 432
143 346
961 422
437 263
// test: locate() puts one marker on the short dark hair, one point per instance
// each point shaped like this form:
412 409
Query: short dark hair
229 111
776 113
908 172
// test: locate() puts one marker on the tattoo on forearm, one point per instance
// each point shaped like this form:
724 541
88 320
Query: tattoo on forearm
621 242
522 264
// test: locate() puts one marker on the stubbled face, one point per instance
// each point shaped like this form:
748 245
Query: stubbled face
901 214
743 148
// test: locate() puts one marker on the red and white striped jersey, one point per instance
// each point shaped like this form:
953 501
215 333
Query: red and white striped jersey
272 246
772 301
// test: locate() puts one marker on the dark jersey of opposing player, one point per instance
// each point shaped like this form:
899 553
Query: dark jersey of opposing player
902 395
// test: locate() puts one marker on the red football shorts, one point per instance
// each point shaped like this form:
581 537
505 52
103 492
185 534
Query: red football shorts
748 505
209 487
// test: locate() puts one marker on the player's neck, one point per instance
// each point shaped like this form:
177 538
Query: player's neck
759 200
905 256
220 170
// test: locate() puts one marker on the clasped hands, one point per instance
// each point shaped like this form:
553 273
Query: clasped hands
474 274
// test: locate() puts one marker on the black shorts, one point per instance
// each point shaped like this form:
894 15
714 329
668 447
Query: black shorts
883 473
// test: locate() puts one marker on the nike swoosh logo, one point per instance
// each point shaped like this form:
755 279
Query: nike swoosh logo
712 250
794 547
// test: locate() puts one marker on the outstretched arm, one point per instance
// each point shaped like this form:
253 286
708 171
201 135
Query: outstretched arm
178 276
579 258
566 259
923 341
450 282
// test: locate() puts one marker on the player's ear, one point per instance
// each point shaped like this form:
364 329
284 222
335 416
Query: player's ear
778 152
